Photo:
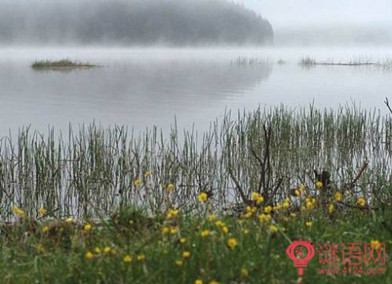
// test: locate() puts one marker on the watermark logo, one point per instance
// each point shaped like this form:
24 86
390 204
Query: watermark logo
300 253
340 258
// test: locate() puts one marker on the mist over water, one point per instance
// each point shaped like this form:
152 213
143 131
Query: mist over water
162 60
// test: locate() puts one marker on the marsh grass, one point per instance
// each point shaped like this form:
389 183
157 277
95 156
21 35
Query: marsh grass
60 64
93 171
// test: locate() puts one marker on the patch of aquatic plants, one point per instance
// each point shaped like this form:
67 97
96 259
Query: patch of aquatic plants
250 61
94 171
358 61
60 64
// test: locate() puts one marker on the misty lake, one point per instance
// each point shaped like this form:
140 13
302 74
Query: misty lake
144 87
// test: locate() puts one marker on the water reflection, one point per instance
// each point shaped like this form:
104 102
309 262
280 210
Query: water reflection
134 92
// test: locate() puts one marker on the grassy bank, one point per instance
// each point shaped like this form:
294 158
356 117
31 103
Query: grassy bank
104 205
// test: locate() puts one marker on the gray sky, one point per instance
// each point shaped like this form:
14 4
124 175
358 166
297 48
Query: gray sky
323 12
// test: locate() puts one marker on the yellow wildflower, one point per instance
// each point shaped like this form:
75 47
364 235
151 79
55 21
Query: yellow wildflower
309 205
277 207
107 249
172 214
45 229
18 211
361 201
213 282
87 227
232 242
173 230
247 215
137 182
205 233
147 174
293 215
203 197
42 211
338 196
97 250
331 208
179 262
186 254
308 224
127 259
257 197
89 255
264 217
273 229
268 209
375 243
211 218
286 204
198 281
219 223
69 220
40 248
244 272
245 231
141 257
165 230
297 192
225 229
169 187
302 187
183 240
319 184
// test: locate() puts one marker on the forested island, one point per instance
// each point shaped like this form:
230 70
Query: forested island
134 22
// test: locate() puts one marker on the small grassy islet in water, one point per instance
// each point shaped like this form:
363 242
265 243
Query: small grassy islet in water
60 64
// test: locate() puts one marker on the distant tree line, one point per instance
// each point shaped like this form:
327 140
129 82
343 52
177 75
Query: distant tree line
134 22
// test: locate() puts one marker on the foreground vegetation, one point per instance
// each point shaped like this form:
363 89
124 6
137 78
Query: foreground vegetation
105 206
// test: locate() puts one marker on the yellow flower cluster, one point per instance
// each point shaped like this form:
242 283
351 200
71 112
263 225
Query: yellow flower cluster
137 183
170 187
249 211
202 197
375 243
268 209
338 196
310 203
265 217
222 226
232 242
205 233
147 174
300 189
42 211
361 201
257 198
172 213
18 211
319 184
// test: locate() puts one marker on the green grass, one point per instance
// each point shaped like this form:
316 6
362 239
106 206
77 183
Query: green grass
60 64
125 186
60 251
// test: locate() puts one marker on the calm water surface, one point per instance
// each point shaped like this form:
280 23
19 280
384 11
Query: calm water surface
144 87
